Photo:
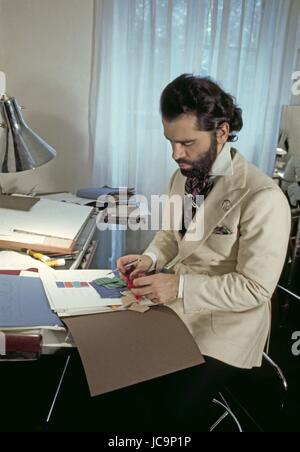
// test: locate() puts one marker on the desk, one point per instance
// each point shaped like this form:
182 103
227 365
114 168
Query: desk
30 378
127 348
29 387
86 246
135 335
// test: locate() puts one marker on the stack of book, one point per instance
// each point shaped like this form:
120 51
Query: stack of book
106 196
125 214
118 205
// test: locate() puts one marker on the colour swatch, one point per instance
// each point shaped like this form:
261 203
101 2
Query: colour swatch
71 284
106 292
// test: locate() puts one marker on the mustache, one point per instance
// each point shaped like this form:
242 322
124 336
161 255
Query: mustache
188 162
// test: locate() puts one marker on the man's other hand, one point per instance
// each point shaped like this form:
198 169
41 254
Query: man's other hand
142 265
159 288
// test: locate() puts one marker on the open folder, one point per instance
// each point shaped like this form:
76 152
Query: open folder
123 348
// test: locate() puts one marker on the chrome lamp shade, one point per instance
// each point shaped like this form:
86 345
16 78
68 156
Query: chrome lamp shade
21 149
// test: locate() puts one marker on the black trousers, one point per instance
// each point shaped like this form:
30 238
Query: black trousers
177 402
181 401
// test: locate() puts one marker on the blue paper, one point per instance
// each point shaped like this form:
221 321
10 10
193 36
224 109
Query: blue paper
106 292
23 303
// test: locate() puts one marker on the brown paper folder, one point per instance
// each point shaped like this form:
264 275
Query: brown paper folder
122 348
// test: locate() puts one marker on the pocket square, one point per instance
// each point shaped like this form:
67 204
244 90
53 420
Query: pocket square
222 230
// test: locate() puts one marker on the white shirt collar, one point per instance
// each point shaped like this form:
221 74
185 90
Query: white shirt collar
223 164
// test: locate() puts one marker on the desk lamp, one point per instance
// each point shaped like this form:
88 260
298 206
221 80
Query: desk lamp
21 149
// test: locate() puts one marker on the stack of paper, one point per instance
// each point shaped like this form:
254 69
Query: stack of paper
48 226
12 260
70 292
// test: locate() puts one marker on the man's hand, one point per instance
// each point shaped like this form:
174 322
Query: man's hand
140 267
159 288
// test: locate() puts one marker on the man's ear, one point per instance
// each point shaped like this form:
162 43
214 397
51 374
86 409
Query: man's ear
222 133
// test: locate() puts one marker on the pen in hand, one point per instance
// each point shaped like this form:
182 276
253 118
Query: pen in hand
125 266
127 276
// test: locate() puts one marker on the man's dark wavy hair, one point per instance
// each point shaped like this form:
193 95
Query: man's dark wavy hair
203 97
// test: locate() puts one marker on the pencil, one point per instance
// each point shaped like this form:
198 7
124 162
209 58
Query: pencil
125 266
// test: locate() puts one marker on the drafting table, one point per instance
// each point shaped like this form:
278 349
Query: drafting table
57 365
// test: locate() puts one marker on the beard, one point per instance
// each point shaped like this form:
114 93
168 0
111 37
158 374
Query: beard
201 167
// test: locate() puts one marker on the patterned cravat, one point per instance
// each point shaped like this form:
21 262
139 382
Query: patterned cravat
196 187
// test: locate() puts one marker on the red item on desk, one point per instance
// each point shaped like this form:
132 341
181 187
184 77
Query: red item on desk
130 286
27 346
17 343
17 272
10 272
32 269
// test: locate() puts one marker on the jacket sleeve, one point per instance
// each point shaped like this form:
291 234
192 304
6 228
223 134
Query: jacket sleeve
164 244
264 234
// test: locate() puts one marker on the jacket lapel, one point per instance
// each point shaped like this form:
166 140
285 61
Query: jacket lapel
226 194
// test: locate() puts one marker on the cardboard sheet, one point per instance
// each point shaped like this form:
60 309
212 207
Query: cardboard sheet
122 348
17 202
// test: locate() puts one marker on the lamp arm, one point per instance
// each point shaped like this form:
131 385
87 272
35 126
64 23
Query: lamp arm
2 84
2 95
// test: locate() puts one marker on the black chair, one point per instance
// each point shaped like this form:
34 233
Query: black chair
268 370
229 411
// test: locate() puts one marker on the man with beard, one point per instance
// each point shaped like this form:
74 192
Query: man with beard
222 282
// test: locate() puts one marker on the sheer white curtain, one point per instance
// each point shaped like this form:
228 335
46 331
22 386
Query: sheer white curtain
141 45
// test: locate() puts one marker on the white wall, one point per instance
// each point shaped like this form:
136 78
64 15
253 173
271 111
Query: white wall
45 52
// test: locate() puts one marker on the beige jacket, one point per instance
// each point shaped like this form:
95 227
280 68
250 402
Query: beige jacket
229 279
